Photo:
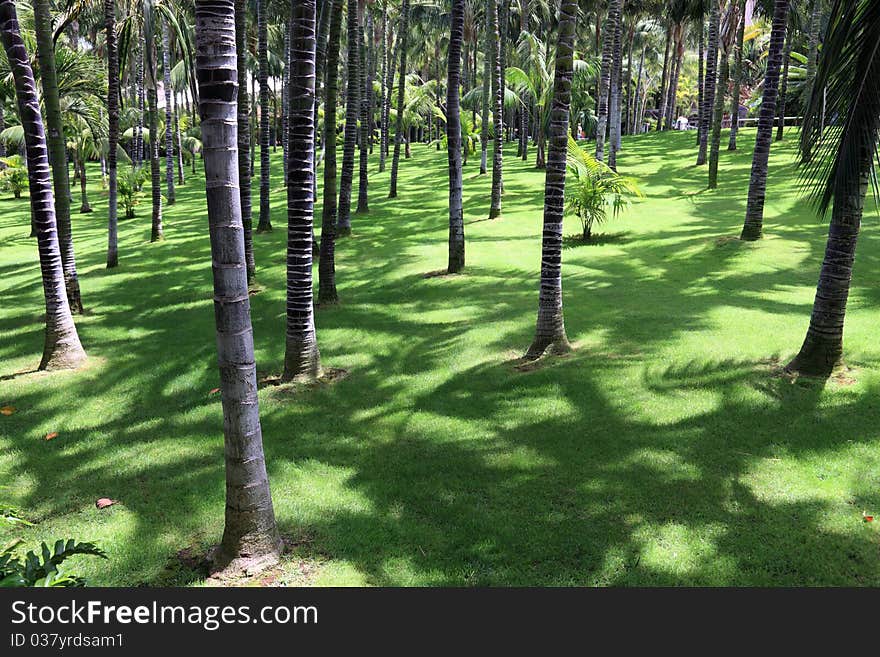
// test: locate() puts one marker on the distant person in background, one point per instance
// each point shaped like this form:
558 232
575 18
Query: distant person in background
681 123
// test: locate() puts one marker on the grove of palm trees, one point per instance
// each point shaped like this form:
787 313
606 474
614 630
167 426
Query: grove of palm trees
439 293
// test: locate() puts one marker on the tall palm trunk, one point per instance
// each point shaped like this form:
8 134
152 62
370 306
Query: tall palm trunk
265 222
812 56
608 32
140 149
113 132
244 138
701 89
301 358
487 91
178 139
57 149
320 67
85 206
366 93
327 264
352 109
62 348
754 222
453 138
636 117
717 117
157 232
403 38
737 76
550 327
675 75
664 79
498 112
783 87
614 95
390 61
710 81
169 116
250 535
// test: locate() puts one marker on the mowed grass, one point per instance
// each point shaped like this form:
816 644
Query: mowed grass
664 450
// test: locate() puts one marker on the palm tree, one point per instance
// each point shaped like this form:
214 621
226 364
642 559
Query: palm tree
56 145
398 133
497 111
352 109
614 94
754 221
250 535
737 76
710 80
388 66
301 358
169 120
157 232
113 130
550 328
487 89
453 138
783 85
842 167
244 139
812 55
608 32
366 111
265 221
327 293
62 348
727 30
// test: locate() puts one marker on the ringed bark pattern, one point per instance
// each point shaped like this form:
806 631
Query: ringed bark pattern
453 138
352 109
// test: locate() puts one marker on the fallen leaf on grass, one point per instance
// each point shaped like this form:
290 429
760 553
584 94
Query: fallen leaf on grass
104 502
7 410
867 518
214 391
50 436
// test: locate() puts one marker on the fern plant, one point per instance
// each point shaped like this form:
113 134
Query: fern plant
43 569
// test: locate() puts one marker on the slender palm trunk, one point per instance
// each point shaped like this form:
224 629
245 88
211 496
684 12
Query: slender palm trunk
178 139
453 138
701 69
737 77
57 149
783 87
487 90
142 105
822 349
614 100
157 232
244 138
754 222
664 78
398 132
717 116
498 112
636 122
265 221
812 58
352 109
605 75
675 75
62 348
320 67
113 132
85 207
390 60
169 117
550 327
285 100
301 358
327 264
710 81
250 536
366 92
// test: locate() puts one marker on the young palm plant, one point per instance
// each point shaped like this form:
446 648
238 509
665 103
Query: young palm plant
841 167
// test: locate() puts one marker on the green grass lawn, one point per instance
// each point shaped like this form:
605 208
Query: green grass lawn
664 450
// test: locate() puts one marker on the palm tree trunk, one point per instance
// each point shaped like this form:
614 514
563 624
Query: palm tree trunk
85 207
664 79
285 100
62 348
753 225
169 117
244 138
636 123
783 89
614 103
710 81
178 138
388 67
113 132
142 105
301 357
487 91
524 130
327 264
157 233
498 112
822 349
628 84
352 109
737 76
401 91
812 57
320 67
453 138
550 327
608 32
366 92
250 536
717 116
265 222
57 149
701 78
